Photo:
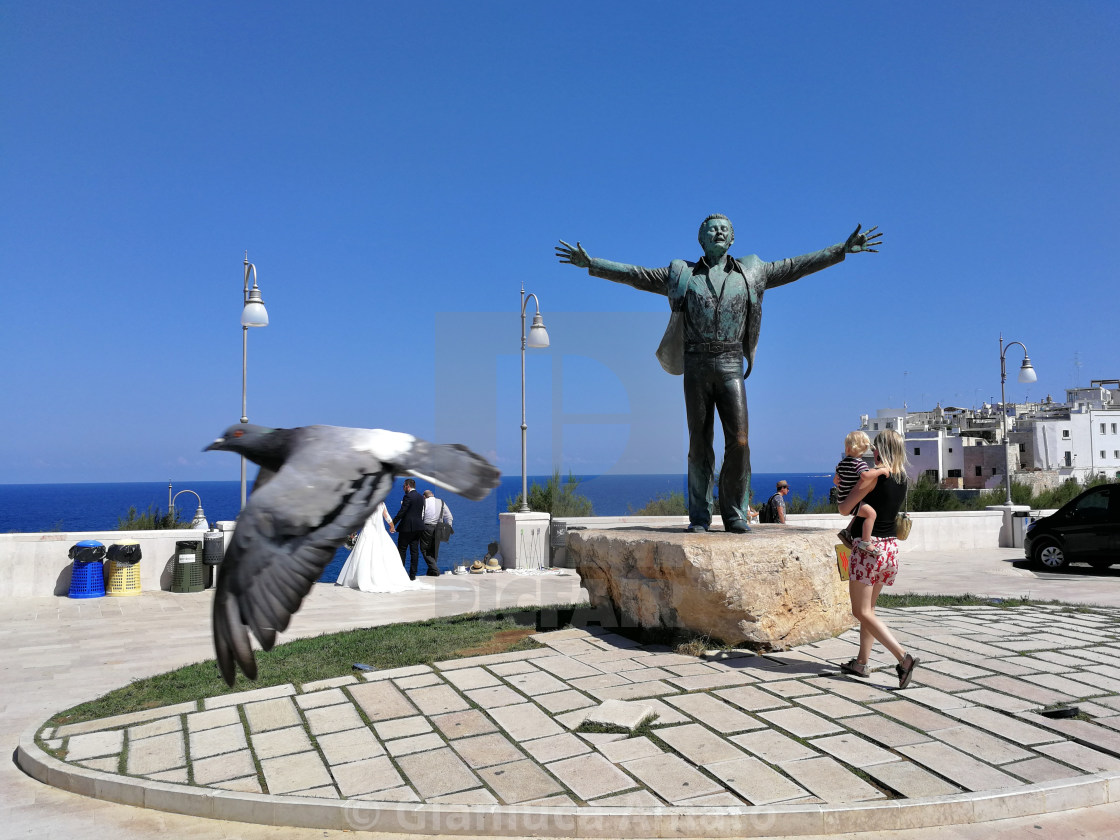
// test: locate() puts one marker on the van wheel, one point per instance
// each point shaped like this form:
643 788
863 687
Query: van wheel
1050 556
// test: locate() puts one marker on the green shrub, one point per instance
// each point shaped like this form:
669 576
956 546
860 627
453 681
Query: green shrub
1063 493
150 520
667 504
925 494
1020 495
554 498
795 504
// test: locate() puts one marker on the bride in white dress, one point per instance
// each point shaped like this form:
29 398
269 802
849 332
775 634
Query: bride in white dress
374 564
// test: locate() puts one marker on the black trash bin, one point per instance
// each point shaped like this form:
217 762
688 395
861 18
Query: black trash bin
190 573
213 551
558 545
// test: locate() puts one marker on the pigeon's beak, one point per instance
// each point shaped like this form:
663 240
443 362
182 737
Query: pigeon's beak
217 444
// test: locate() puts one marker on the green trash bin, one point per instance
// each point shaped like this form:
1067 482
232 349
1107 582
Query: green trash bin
190 572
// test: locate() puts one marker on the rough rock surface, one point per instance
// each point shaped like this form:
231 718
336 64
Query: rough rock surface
773 589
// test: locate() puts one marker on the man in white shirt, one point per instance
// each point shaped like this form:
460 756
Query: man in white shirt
434 510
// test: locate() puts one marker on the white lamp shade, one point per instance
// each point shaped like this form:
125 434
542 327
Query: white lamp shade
538 335
1026 372
254 314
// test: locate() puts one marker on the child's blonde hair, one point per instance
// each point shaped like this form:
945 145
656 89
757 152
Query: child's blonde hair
856 443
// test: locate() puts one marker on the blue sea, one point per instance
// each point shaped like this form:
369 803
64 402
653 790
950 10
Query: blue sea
29 508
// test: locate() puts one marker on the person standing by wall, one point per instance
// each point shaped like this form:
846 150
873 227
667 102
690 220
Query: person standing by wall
773 510
435 510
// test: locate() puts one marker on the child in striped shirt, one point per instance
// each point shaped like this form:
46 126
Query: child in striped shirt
848 473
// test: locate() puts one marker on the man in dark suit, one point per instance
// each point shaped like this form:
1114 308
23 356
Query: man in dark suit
409 523
716 306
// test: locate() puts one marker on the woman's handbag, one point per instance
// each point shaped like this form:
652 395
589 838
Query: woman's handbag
902 525
902 520
443 531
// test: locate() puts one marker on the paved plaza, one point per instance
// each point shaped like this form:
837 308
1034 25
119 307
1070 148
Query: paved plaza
738 743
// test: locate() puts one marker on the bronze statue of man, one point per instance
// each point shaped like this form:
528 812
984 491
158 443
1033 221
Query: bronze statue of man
716 306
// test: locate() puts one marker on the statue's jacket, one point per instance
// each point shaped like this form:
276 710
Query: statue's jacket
676 281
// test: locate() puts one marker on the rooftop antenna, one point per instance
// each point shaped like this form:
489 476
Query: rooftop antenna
1076 369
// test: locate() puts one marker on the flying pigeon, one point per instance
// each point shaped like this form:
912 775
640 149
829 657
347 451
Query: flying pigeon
316 485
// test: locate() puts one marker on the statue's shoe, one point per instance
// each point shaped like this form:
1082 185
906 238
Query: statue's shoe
696 529
738 526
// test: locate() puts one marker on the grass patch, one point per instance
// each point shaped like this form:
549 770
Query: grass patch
911 599
331 655
642 730
695 646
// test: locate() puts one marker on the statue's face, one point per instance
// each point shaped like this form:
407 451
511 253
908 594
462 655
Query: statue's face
716 237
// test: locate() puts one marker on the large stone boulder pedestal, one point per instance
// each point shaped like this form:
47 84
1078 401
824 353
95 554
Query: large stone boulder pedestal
771 589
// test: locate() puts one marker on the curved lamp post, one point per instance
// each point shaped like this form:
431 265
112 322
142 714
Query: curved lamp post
253 314
538 337
199 520
1026 374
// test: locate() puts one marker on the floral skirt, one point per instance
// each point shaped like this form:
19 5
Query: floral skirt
872 571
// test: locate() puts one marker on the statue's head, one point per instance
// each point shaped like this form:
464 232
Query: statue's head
716 234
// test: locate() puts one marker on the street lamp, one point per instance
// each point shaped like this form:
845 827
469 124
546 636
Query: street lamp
253 314
538 337
1026 374
199 520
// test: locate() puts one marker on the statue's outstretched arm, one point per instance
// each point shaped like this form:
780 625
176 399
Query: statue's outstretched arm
780 272
645 279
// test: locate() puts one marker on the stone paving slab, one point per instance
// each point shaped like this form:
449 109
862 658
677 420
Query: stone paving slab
827 779
755 781
208 742
716 713
671 777
732 730
277 742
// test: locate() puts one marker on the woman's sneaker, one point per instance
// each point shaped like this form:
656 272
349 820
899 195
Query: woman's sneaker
856 668
905 670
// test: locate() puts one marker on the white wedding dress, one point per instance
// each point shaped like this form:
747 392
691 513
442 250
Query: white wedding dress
374 565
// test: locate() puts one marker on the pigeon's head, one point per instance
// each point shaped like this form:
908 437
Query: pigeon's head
244 439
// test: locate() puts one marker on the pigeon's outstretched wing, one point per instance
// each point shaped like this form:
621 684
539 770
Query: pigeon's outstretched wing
325 482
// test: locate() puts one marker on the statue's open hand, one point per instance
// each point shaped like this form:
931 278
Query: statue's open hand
575 256
867 241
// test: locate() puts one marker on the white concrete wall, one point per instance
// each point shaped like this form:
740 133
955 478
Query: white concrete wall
39 564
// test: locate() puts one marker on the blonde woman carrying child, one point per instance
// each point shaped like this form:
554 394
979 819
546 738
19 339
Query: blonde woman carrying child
868 573
848 473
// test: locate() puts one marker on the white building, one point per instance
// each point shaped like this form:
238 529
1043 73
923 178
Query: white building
962 447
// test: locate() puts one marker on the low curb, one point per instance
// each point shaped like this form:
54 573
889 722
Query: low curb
567 821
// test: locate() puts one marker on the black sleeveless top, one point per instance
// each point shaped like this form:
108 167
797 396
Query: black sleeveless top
886 499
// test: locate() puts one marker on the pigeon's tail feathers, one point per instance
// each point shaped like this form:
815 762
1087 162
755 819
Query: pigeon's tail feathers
452 467
231 640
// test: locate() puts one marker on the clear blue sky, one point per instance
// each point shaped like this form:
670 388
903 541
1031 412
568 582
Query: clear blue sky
396 171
